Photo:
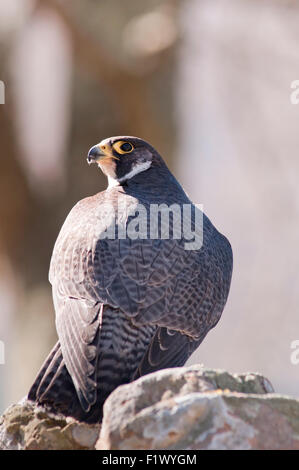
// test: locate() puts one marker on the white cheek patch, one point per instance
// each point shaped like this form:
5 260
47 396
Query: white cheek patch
138 168
108 167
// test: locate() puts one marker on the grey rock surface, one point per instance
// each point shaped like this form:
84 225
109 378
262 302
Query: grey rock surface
185 408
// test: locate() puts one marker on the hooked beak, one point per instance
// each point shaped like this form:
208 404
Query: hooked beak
99 153
95 154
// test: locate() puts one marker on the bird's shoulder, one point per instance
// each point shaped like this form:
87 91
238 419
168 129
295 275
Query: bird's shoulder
85 225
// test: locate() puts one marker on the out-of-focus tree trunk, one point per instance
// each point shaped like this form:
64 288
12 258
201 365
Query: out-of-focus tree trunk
112 93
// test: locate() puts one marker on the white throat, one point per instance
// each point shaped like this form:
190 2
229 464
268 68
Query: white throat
138 168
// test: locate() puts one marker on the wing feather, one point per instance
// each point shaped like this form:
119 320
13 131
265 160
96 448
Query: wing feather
158 283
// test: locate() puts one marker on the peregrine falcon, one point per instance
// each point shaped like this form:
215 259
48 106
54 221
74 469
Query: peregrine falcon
132 294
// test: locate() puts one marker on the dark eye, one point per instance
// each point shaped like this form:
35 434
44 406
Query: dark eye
126 147
122 147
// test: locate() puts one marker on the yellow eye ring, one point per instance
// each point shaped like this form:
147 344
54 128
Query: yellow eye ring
122 147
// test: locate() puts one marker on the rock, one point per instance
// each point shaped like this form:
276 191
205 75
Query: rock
195 408
185 408
28 427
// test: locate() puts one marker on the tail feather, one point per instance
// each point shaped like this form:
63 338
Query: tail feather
54 388
120 350
37 388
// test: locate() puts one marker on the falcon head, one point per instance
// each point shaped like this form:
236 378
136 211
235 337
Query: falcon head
121 158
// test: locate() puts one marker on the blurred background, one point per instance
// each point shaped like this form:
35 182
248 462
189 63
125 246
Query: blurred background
208 83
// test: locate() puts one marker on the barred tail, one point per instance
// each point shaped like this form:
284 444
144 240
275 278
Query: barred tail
54 388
